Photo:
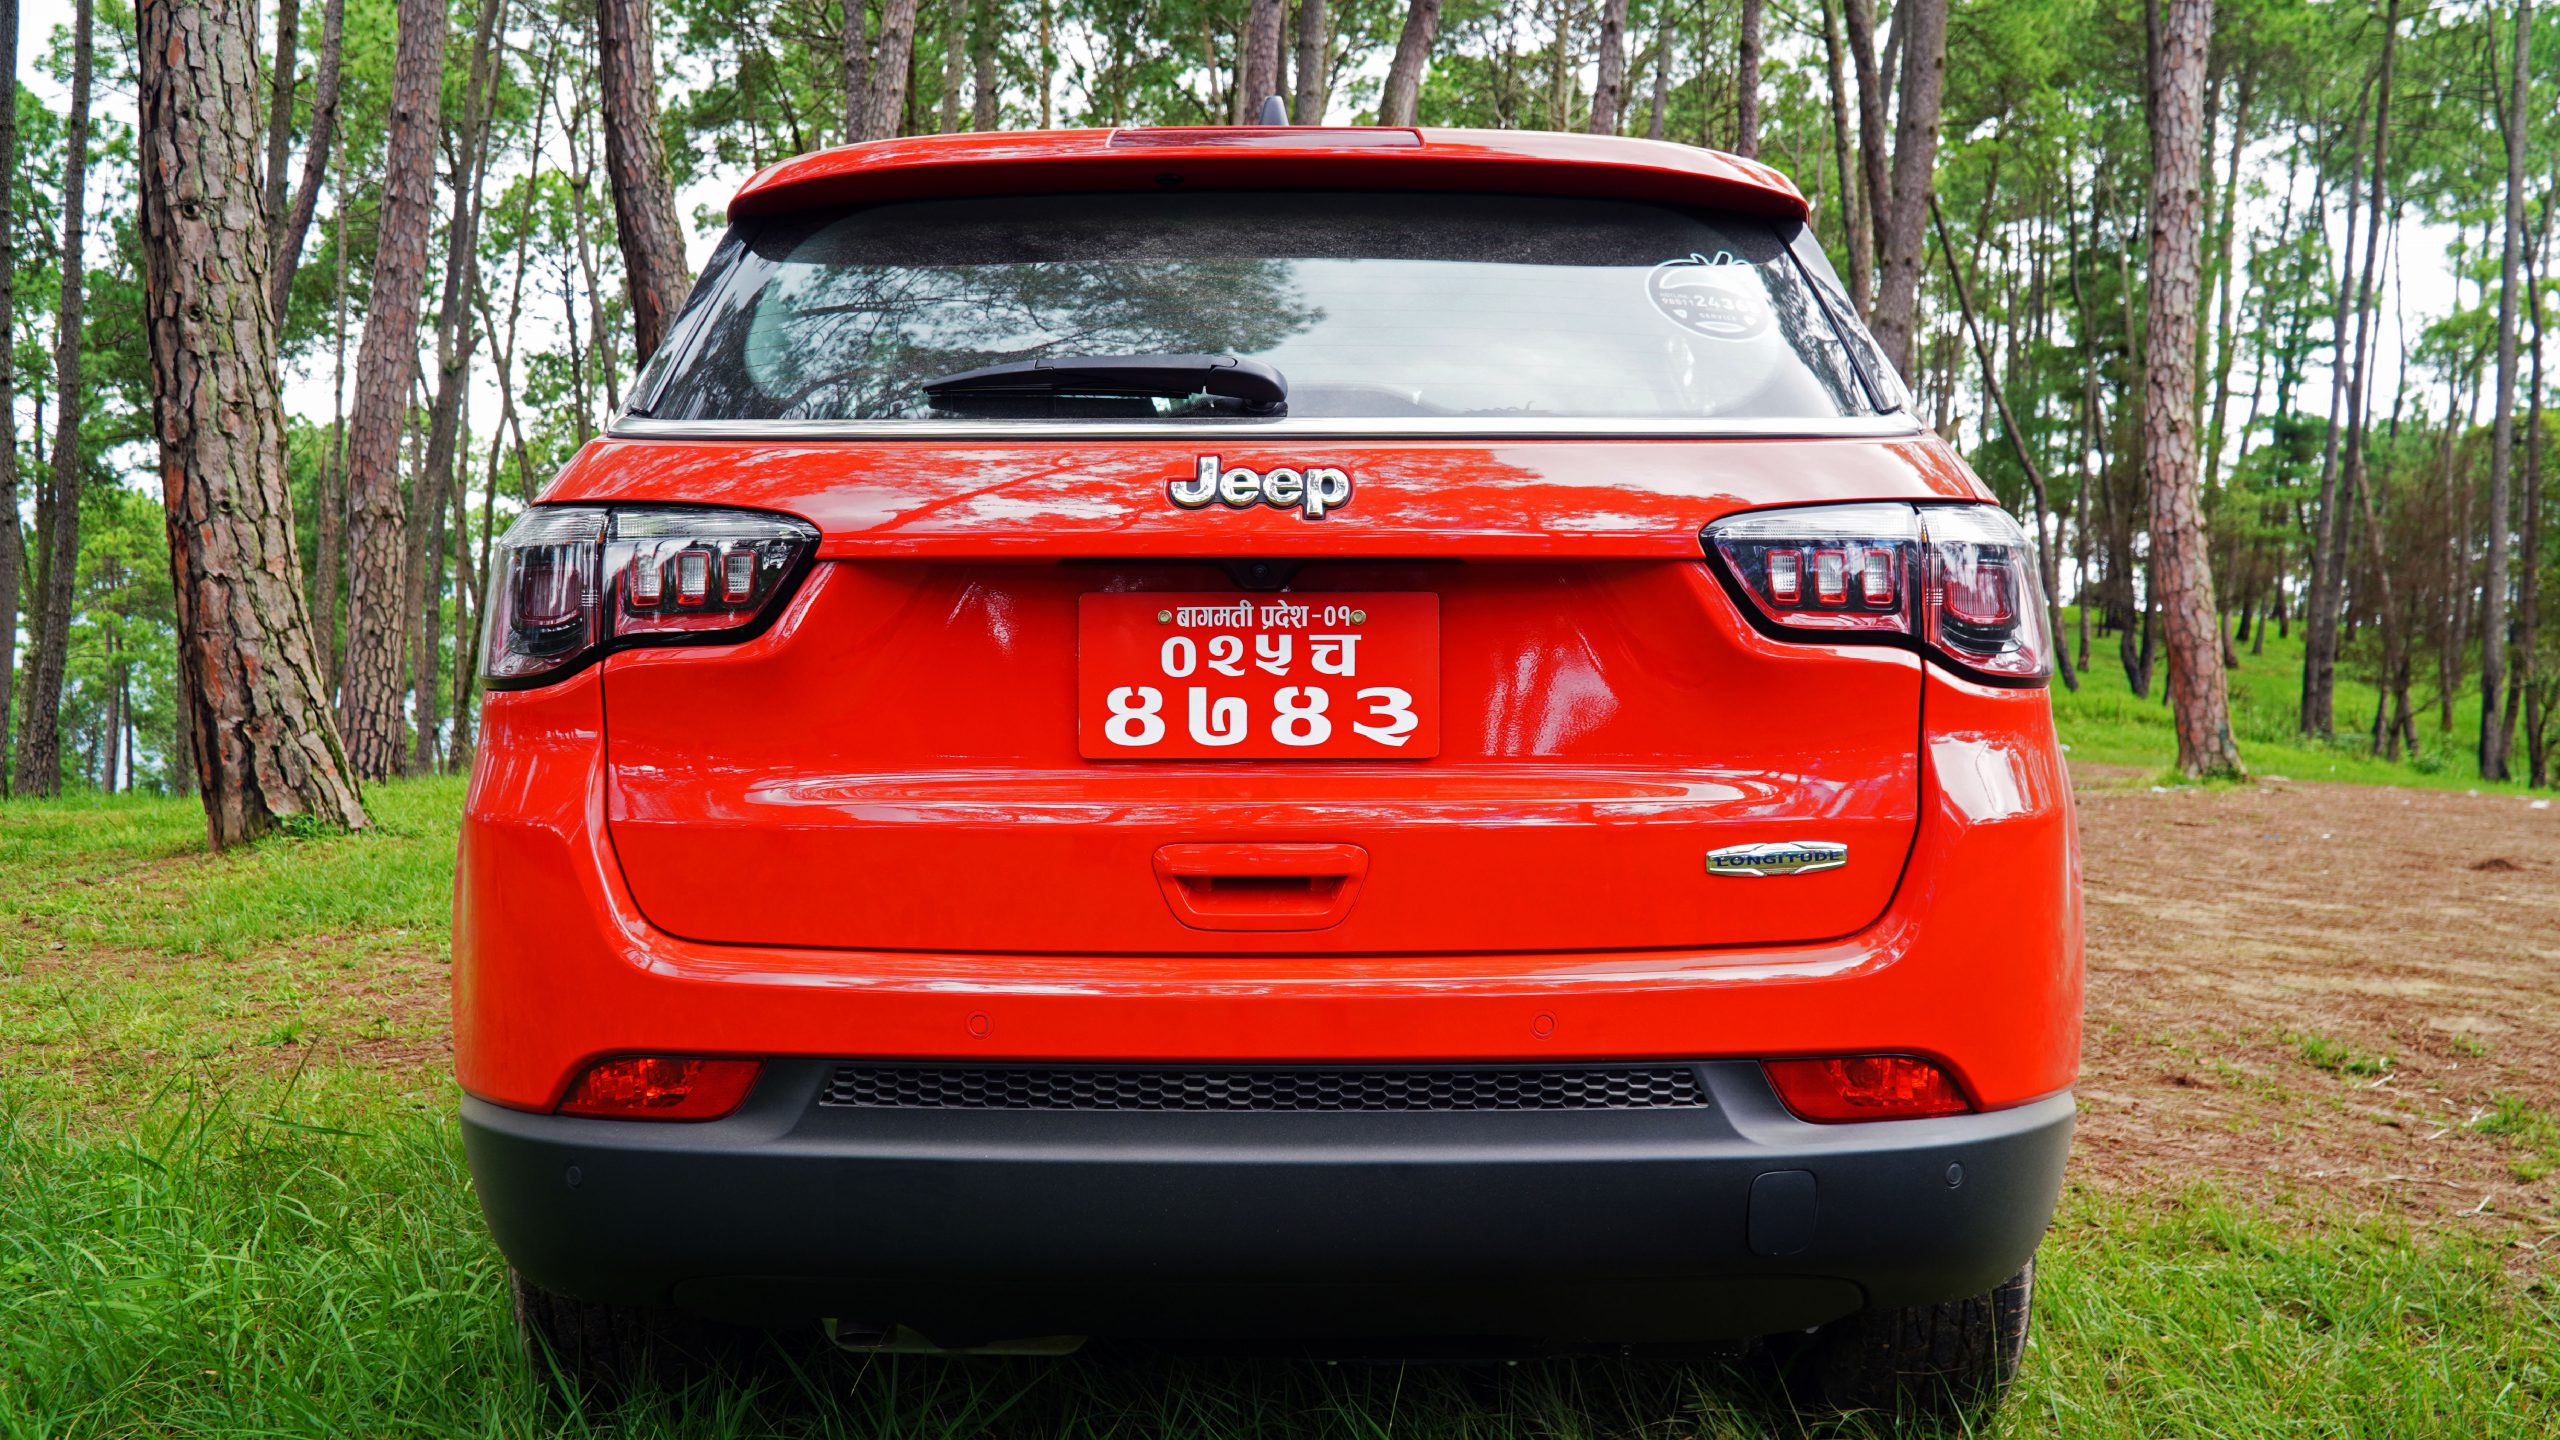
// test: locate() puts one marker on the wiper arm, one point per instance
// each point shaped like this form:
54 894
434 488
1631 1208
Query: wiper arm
1253 385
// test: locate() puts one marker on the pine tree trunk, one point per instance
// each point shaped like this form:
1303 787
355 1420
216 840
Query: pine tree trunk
13 558
986 90
1661 76
1860 16
2502 444
955 54
1259 78
1397 101
316 155
1855 236
257 716
1922 27
886 99
386 366
1314 63
2535 687
2354 491
39 756
1608 92
332 498
280 87
455 339
1746 84
2181 565
854 68
635 162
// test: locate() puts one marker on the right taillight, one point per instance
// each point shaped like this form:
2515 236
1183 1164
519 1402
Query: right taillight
1954 581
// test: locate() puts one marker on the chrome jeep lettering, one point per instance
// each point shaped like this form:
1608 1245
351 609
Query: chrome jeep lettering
1312 491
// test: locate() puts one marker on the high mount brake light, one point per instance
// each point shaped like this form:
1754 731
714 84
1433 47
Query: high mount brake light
1866 1087
1955 581
573 581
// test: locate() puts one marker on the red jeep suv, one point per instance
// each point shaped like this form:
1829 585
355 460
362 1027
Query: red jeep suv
1375 737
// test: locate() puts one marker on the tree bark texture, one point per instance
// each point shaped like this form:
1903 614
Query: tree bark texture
1922 26
1855 235
2181 566
986 89
280 85
1746 84
1413 52
454 343
955 55
855 38
1258 77
635 162
1314 63
1609 88
386 366
1873 161
12 557
256 712
2502 443
288 237
39 758
886 98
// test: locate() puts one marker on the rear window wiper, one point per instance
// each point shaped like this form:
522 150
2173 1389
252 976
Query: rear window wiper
1252 386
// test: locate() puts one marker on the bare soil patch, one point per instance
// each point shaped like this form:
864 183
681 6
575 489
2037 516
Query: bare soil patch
2330 995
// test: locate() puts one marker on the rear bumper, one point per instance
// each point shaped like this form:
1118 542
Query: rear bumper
972 1226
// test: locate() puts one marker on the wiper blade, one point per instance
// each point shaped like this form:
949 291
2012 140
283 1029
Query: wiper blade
1251 384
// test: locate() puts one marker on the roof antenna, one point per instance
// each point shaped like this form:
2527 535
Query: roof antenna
1275 111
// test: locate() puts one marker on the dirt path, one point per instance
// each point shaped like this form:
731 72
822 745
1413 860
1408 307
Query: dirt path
2324 994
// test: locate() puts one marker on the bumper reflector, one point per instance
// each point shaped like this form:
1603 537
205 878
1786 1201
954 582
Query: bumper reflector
1866 1087
659 1087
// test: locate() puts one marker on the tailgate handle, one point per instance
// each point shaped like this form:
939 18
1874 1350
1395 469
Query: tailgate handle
1232 886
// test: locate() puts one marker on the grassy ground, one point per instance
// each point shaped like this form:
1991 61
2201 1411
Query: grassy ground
2105 723
232 1201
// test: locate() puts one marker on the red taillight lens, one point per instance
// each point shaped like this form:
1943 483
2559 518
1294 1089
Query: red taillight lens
1954 580
660 1087
573 581
1866 1087
1827 568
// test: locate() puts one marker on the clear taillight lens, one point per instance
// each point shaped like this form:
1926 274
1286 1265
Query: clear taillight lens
570 582
1953 580
1983 607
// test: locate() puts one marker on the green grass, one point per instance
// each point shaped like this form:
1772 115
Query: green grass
129 955
2104 722
232 1201
214 1273
2337 1056
2535 1133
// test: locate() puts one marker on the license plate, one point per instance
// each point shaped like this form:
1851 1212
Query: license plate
1258 677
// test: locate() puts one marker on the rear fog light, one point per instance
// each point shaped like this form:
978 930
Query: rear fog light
660 1087
1866 1087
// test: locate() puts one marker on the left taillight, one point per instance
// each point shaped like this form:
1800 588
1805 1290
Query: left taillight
570 582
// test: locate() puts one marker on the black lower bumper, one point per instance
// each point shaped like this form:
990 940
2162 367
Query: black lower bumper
1590 1226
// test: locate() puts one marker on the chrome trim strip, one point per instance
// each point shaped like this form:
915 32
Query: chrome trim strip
1868 427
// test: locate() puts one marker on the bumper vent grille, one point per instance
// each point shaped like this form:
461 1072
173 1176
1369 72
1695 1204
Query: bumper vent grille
912 1087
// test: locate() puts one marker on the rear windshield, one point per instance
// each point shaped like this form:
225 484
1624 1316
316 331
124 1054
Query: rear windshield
1372 305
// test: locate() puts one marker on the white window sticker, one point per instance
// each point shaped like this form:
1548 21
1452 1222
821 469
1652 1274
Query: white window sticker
1720 297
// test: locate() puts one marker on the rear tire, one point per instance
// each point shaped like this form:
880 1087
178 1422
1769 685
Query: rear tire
597 1354
1945 1361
